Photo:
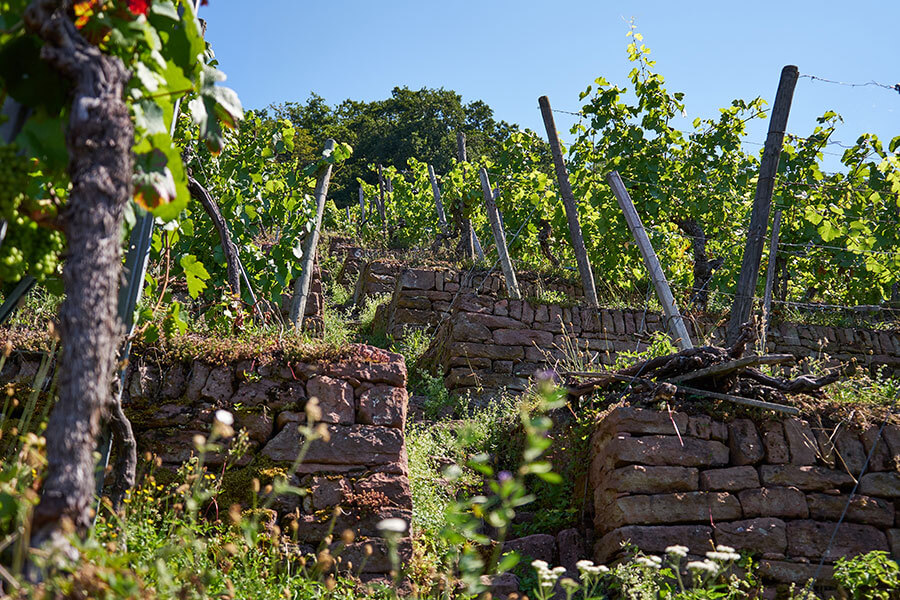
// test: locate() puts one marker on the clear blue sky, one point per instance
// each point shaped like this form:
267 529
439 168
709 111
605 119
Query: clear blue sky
508 53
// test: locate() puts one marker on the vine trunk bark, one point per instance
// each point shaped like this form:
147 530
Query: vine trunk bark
232 258
703 266
99 138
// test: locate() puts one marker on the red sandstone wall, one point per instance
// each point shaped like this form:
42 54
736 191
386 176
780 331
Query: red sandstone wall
775 490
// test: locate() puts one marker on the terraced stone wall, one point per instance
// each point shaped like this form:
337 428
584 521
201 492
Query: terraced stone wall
775 489
485 342
355 478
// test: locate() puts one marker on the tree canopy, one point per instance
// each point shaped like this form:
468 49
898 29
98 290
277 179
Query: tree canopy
420 124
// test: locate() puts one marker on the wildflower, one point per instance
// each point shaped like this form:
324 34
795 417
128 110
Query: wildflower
393 525
313 412
703 565
723 556
724 548
539 565
677 550
646 561
224 417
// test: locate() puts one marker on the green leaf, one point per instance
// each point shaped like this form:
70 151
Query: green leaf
195 273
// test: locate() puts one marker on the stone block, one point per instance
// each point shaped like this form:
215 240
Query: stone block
570 546
652 539
699 426
763 536
811 538
732 479
862 509
643 421
774 443
383 405
881 456
539 546
893 537
883 485
658 450
395 487
641 479
805 477
783 571
335 399
417 279
681 507
496 322
347 445
826 448
851 450
327 492
492 351
196 380
801 442
783 502
744 442
376 366
522 337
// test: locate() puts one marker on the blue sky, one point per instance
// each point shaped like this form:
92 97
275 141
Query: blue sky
508 53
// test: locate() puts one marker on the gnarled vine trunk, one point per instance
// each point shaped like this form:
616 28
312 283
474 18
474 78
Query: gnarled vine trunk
99 140
703 266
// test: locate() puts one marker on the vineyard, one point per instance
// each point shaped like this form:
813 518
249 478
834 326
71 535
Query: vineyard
231 335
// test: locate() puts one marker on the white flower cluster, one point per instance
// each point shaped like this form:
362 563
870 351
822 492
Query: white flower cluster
723 554
546 576
589 570
679 551
651 562
703 565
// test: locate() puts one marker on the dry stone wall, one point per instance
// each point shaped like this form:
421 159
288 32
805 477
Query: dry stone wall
775 489
485 342
354 478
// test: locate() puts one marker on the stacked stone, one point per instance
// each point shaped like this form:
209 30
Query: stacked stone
361 467
776 490
473 354
376 277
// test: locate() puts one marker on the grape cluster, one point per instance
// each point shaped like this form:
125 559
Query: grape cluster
13 180
27 247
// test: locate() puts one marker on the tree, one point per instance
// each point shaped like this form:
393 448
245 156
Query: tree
419 124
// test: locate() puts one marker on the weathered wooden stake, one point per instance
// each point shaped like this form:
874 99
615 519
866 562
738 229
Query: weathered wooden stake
466 230
381 210
565 190
362 206
512 285
302 283
770 279
759 217
438 203
673 317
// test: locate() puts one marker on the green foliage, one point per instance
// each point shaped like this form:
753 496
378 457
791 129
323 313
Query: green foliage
419 124
871 576
168 58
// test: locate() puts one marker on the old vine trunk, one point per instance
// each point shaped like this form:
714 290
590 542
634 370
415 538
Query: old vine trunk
99 140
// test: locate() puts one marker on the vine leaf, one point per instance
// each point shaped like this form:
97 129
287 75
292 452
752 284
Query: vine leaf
196 274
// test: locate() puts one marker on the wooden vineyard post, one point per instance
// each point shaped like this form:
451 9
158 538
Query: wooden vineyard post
438 204
770 280
512 285
302 283
466 230
673 317
762 201
381 210
565 190
361 221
